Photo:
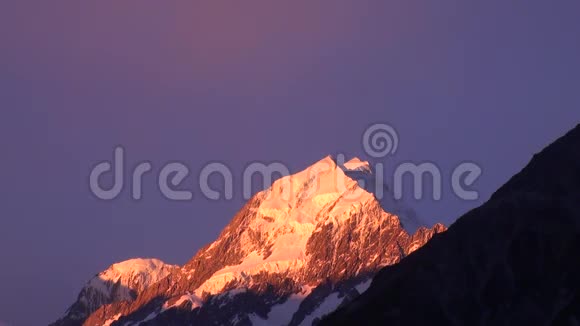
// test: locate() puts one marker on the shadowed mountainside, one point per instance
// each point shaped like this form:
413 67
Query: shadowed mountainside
512 261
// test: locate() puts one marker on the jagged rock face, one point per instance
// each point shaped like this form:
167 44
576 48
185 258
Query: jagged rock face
294 252
123 281
512 261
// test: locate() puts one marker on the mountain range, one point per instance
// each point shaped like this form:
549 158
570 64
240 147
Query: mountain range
294 253
320 248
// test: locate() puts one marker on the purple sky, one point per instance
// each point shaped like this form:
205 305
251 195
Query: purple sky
492 82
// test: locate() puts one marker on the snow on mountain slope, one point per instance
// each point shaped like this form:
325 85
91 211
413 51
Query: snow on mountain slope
120 282
312 235
356 164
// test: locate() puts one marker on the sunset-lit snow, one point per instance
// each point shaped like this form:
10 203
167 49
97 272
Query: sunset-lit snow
289 215
356 164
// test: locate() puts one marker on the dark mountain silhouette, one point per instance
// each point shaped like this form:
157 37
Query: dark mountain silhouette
513 261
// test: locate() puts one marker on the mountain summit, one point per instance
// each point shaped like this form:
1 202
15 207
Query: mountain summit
120 282
292 254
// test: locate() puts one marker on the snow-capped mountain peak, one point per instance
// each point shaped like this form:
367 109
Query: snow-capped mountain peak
276 232
122 281
130 276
